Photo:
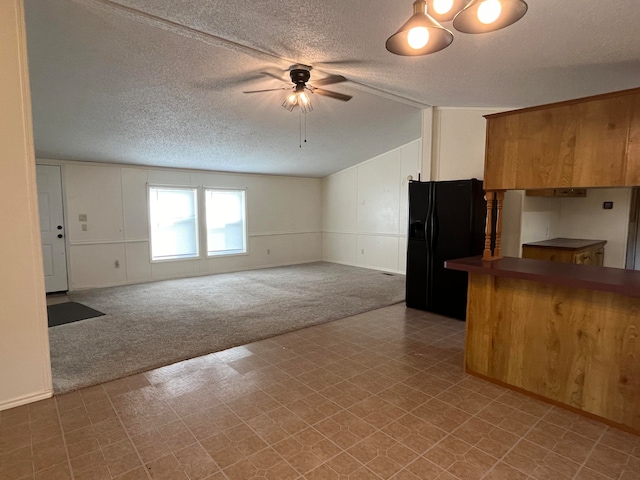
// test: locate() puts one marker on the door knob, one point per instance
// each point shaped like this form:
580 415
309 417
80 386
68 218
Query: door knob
59 235
59 227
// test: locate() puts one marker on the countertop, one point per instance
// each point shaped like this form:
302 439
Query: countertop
566 243
591 277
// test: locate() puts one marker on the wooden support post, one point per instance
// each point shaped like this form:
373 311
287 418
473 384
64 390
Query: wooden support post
495 254
487 254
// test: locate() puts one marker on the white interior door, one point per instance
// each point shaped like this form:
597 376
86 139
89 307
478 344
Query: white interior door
52 227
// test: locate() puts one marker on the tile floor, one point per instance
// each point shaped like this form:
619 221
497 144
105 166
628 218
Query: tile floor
377 396
56 298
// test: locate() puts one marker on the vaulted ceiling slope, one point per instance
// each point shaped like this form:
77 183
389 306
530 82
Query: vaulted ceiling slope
160 82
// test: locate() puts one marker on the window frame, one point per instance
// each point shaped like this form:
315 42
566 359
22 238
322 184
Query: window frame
197 208
205 227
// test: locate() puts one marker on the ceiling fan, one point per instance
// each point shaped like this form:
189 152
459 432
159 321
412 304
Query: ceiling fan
300 75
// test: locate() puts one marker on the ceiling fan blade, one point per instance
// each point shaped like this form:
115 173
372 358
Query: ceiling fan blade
277 77
329 93
267 90
341 62
329 80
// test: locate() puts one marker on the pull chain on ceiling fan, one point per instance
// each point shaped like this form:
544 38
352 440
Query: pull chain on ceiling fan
299 93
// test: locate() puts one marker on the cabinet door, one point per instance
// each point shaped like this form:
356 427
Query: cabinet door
548 253
602 127
546 146
632 176
584 258
586 143
501 154
598 258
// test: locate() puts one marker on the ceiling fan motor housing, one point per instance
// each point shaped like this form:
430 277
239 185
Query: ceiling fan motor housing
299 76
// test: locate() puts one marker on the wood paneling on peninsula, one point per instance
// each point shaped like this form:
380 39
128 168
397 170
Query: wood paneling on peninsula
589 142
559 340
577 347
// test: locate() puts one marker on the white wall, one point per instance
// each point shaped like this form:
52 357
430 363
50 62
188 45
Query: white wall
283 223
581 217
364 211
512 223
25 370
585 218
458 149
540 218
360 226
458 144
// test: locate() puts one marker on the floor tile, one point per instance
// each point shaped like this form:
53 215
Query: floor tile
381 395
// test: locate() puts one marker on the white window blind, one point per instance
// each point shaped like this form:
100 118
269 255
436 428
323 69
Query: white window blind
173 214
226 223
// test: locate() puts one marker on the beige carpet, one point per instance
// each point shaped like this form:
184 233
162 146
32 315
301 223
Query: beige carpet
154 324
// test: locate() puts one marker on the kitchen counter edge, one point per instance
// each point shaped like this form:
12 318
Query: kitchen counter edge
591 277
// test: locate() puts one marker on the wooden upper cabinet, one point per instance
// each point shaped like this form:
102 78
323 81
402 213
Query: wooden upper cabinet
501 151
547 145
632 173
591 142
601 142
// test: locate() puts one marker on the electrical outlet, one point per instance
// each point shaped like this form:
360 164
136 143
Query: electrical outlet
362 252
84 227
117 263
268 251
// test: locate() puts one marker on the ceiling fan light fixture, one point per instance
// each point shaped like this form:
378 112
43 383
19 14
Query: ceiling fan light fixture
298 98
483 16
306 107
290 102
420 35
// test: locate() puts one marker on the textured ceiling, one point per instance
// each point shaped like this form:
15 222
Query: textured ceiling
160 82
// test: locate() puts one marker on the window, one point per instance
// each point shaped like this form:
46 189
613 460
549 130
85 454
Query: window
226 225
173 215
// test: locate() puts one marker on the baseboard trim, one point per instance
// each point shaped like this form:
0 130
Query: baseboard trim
17 402
369 267
191 275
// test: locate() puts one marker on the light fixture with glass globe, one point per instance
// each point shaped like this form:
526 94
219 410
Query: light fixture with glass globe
298 98
422 34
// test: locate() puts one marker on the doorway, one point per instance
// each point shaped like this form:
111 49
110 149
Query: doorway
54 254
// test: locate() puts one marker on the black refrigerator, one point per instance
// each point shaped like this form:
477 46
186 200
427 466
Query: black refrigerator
446 221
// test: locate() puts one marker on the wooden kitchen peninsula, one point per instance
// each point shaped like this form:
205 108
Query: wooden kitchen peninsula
565 333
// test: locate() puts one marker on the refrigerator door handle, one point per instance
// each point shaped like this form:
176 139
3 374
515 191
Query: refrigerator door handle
430 243
435 230
427 230
428 224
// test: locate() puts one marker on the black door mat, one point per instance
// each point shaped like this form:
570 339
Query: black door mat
69 312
